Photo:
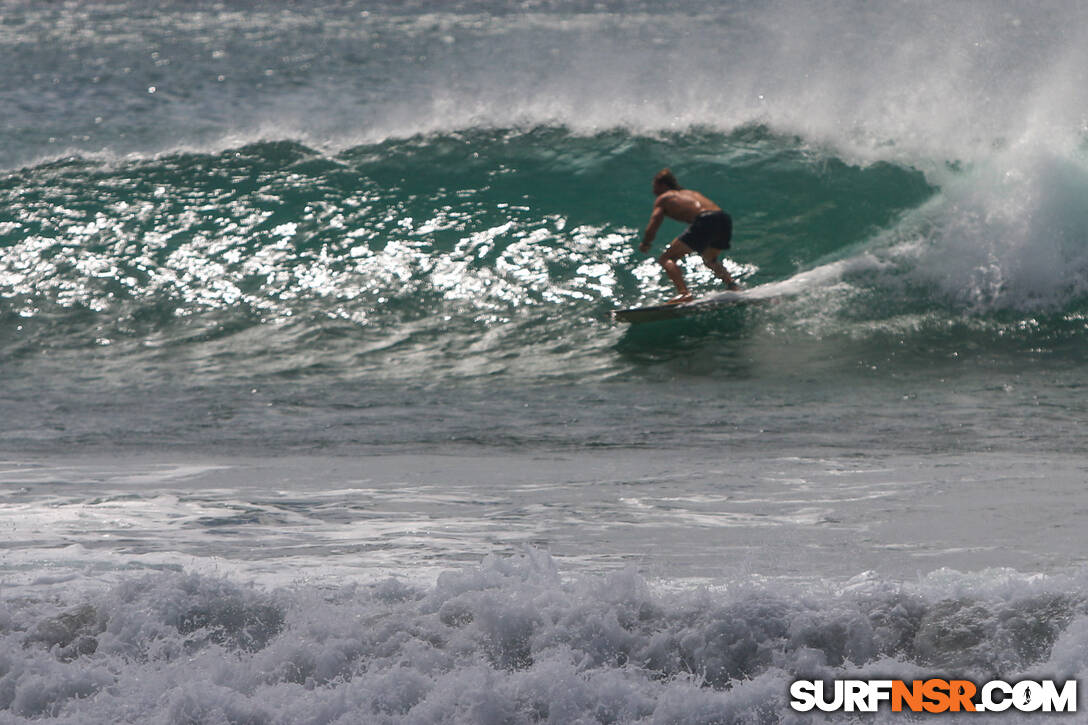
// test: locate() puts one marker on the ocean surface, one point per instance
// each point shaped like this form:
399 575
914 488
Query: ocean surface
312 409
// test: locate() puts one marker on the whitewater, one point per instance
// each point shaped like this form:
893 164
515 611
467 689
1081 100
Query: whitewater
313 410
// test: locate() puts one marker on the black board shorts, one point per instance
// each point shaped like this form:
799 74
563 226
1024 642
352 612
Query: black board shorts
710 229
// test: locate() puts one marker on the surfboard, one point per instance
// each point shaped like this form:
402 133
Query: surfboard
700 305
697 306
816 277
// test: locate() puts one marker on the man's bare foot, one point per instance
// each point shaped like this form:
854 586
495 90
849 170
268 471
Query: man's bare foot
733 287
681 299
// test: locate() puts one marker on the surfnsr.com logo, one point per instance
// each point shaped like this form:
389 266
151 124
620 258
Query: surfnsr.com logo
934 696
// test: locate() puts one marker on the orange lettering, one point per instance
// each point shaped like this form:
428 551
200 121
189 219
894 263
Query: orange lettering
936 691
911 695
961 692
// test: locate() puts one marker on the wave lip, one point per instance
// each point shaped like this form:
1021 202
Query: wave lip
1008 233
908 83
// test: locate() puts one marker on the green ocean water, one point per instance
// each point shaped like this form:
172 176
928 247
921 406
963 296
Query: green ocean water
410 255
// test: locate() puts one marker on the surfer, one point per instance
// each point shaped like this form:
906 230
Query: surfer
708 233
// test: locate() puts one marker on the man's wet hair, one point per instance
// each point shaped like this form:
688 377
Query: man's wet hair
666 178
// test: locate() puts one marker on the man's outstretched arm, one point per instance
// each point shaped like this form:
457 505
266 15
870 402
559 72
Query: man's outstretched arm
656 218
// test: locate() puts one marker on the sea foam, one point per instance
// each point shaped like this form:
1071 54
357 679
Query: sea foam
513 640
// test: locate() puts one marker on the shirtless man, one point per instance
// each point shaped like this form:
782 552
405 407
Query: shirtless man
708 234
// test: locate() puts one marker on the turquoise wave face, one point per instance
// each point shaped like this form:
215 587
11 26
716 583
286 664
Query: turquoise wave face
459 253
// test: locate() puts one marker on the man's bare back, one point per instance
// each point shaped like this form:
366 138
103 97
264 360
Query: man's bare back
684 205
